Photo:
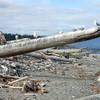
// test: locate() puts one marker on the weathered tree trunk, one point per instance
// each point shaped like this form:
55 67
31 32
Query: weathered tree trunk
64 51
42 43
37 55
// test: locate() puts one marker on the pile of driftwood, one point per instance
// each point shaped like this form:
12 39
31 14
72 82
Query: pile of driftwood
24 84
55 55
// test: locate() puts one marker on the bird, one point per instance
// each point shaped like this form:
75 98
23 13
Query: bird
82 27
96 23
16 37
79 29
60 32
35 35
75 28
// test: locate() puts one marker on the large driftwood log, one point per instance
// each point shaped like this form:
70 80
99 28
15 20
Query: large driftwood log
37 55
46 42
64 51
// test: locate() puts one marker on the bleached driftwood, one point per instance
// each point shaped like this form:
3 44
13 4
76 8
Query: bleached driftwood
47 42
19 40
8 86
8 77
37 55
64 51
45 56
18 80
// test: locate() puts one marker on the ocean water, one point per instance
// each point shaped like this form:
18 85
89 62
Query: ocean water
92 44
95 55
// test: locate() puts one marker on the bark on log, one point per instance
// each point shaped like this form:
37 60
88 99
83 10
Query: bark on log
46 42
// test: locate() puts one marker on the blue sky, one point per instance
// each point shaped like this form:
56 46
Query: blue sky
47 16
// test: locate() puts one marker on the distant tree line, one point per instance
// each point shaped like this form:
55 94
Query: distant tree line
10 36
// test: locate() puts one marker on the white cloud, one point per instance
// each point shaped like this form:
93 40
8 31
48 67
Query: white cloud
25 19
4 3
45 2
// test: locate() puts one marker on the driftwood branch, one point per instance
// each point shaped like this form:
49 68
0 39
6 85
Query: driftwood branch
45 56
47 42
37 55
8 77
8 86
18 80
64 51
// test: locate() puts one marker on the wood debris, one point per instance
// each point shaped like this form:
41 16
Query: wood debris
33 86
2 38
18 80
95 89
27 85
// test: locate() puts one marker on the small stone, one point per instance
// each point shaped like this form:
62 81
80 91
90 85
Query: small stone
98 79
73 96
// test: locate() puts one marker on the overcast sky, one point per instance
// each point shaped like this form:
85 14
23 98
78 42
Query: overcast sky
47 16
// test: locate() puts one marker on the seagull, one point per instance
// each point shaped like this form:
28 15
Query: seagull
75 28
82 28
60 32
95 23
35 35
16 37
